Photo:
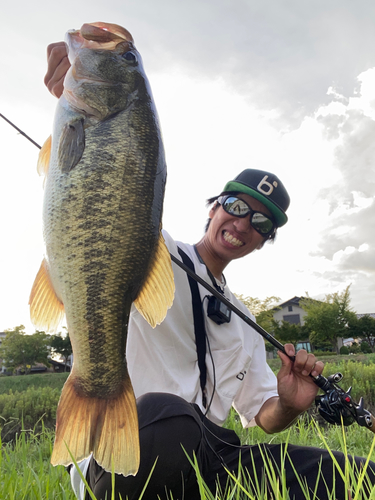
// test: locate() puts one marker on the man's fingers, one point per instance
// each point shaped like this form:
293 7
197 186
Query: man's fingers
57 48
306 364
56 88
317 368
58 65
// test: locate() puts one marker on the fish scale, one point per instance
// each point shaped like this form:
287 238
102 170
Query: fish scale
104 249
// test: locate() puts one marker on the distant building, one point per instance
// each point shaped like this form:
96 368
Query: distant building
290 311
372 315
59 365
293 313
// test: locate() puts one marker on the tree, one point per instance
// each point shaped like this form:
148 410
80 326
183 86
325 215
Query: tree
363 328
20 349
328 320
290 333
365 348
354 348
256 306
263 310
60 344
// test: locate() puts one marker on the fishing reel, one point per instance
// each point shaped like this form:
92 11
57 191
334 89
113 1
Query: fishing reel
337 406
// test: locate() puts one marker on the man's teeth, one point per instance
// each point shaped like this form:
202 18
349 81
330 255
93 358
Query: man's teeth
232 240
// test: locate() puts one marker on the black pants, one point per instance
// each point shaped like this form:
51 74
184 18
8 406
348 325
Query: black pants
169 425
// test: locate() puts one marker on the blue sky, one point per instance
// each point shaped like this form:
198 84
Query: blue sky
284 86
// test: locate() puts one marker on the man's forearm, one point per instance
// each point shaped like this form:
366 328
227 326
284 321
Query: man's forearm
272 417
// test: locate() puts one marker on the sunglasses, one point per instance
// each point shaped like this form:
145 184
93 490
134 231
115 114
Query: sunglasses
262 223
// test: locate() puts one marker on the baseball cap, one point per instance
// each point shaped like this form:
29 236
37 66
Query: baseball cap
265 187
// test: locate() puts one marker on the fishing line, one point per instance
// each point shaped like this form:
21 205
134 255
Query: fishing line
20 131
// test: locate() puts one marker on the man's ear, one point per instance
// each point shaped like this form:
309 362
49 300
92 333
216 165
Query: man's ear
260 246
213 209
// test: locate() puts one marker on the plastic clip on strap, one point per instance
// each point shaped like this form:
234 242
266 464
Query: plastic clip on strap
199 328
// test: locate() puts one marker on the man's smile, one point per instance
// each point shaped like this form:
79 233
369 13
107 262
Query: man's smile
228 237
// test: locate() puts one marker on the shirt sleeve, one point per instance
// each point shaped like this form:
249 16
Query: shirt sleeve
78 485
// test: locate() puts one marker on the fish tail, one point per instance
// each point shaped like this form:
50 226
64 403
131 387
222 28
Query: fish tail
108 428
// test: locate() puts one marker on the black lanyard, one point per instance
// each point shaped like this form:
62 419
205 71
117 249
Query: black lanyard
199 328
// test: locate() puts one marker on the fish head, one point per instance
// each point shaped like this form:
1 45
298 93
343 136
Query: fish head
106 72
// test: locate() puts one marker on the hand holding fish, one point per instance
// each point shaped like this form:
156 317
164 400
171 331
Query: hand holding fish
58 65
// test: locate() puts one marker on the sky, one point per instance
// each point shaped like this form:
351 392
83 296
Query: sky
284 86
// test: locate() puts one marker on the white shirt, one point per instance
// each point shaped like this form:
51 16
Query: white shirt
165 359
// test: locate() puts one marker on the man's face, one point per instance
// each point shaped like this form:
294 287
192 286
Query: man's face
230 237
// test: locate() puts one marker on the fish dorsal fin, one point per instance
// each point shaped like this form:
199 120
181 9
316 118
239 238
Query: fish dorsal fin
71 145
44 157
46 310
156 295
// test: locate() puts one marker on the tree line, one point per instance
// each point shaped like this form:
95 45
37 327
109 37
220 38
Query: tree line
324 323
20 351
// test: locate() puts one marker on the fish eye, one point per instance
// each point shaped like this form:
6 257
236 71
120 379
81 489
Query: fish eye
130 57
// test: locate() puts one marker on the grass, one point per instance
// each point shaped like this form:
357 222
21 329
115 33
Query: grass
331 358
26 473
23 382
304 433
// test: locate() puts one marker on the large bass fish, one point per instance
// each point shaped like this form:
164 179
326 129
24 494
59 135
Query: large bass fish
102 213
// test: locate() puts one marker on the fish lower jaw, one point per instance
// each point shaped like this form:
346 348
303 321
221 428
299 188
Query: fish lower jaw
232 240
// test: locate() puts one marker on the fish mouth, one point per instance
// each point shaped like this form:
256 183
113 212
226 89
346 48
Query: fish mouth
229 238
103 36
105 32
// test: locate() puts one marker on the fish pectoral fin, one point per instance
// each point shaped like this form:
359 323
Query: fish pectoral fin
44 157
157 293
71 145
106 427
46 310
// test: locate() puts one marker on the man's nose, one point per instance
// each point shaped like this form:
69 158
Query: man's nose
242 224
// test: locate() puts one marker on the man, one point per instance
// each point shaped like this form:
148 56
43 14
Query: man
182 402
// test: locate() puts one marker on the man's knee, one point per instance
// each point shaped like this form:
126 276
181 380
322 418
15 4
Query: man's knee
166 444
156 406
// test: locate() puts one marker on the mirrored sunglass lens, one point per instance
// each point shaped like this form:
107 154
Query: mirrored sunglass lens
262 223
235 206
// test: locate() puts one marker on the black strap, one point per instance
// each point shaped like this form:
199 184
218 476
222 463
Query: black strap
199 329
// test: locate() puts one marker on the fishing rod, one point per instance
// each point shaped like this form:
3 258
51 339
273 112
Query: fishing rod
336 406
20 131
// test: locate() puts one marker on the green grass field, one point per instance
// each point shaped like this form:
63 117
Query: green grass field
21 382
25 471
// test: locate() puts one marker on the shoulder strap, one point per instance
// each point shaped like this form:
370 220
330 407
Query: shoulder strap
199 329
